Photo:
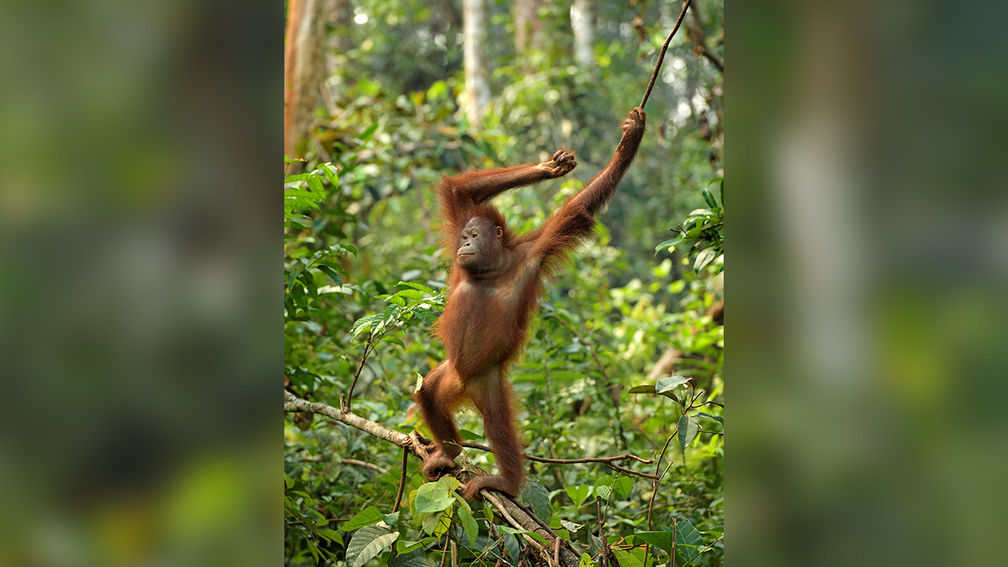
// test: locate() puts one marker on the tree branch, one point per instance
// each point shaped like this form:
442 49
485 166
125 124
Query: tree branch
293 403
698 34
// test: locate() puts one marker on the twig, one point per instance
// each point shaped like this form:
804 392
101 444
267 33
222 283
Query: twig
555 461
402 481
368 349
631 472
661 55
364 464
654 491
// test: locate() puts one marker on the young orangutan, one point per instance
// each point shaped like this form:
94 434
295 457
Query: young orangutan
495 281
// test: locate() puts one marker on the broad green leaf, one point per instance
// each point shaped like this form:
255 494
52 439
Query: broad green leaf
366 517
468 524
437 523
414 558
367 543
687 430
586 561
535 495
363 325
512 547
432 497
404 546
604 491
689 542
626 559
667 384
578 493
703 258
661 540
333 274
622 485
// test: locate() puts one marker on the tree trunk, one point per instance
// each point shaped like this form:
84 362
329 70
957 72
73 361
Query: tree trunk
582 16
303 65
527 25
477 90
341 19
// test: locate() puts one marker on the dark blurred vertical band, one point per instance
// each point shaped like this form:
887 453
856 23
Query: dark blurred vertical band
868 285
140 298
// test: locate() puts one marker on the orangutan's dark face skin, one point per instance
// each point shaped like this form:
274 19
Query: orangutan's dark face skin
480 246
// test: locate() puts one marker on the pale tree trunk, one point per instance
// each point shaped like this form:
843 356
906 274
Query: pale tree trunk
303 67
341 19
477 90
527 25
582 16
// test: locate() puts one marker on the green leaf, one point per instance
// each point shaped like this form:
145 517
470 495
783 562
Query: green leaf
578 493
689 542
642 389
368 132
716 418
333 274
367 543
363 324
535 495
414 558
366 517
604 491
438 523
667 384
661 540
432 497
468 524
708 198
622 485
668 244
571 526
703 258
586 561
626 559
514 531
688 429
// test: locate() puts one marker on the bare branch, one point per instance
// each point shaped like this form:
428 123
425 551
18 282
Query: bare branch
364 464
402 481
623 457
293 403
